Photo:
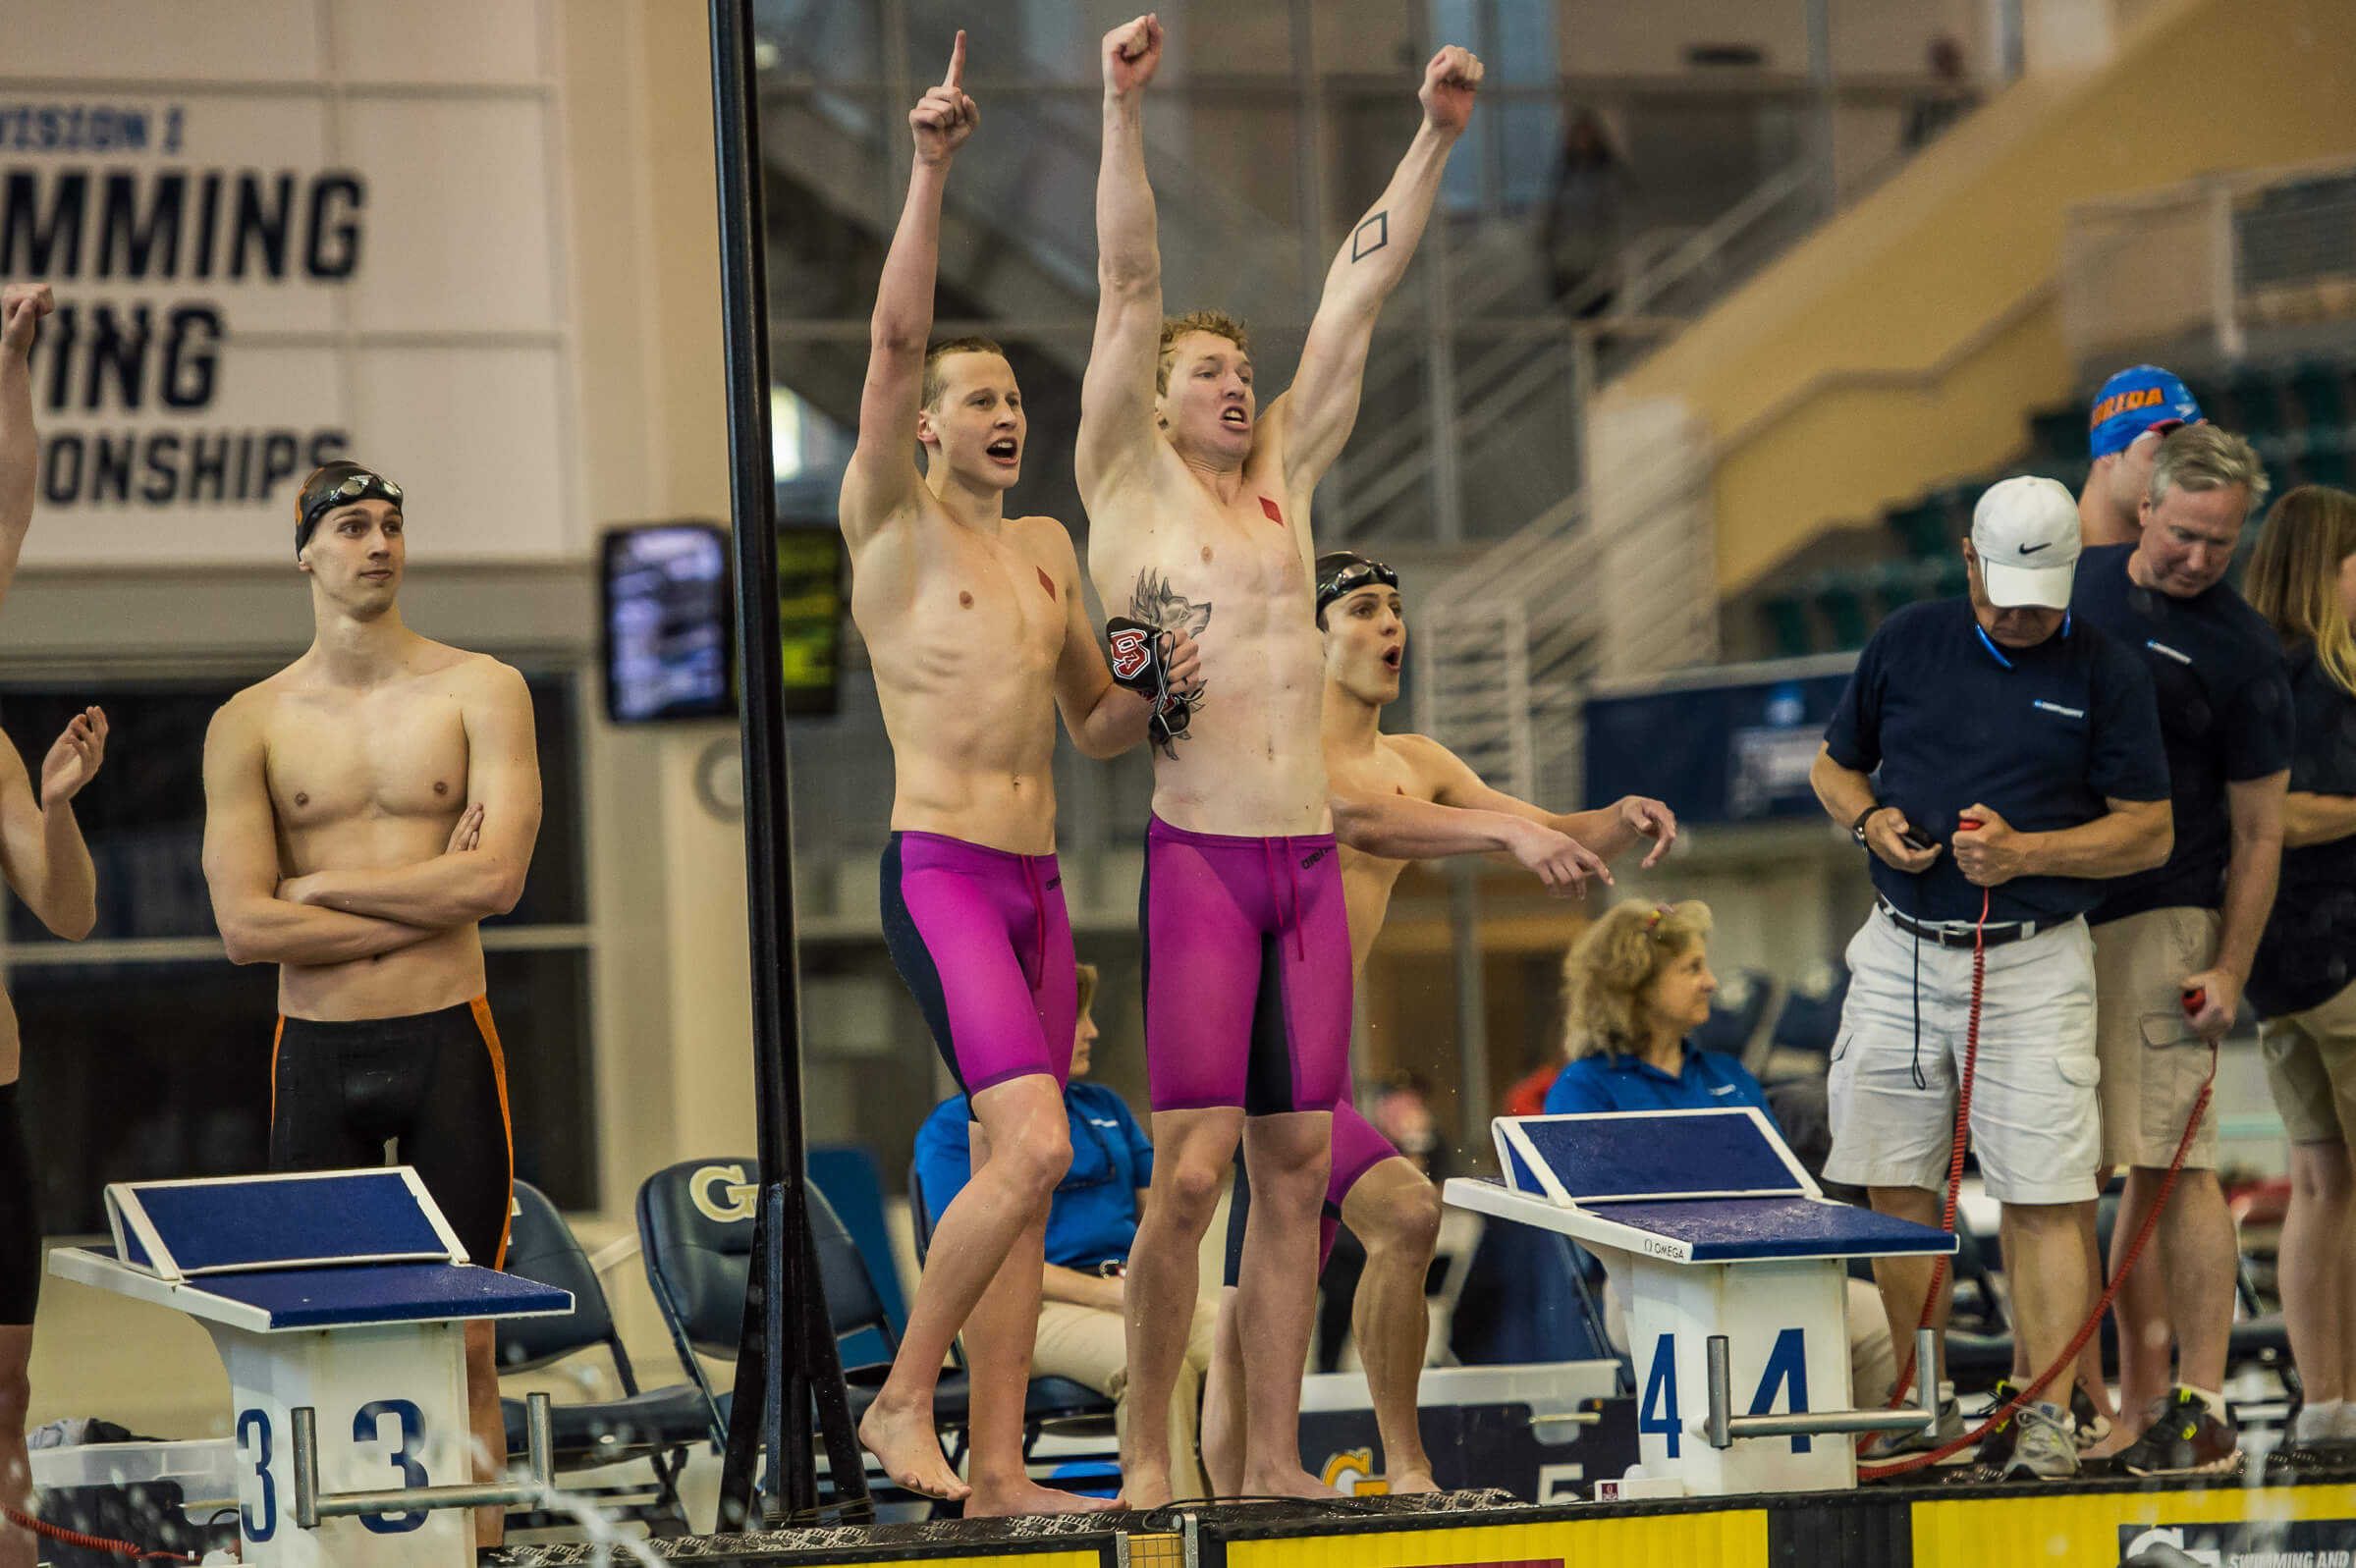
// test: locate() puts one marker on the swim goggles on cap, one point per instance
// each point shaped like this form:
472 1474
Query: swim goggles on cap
1350 578
355 487
359 486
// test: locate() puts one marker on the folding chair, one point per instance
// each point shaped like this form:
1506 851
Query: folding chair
656 1425
1056 1405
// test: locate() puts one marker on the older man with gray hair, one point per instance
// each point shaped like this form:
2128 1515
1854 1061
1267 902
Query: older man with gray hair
2173 946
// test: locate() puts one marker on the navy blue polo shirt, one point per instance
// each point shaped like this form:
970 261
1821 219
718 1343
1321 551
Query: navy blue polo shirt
2225 717
1093 1216
1707 1080
2309 951
1949 717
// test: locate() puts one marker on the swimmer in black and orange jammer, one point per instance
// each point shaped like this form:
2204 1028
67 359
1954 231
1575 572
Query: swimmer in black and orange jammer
49 868
364 808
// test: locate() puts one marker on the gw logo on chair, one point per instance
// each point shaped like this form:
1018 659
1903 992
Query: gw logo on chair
740 1193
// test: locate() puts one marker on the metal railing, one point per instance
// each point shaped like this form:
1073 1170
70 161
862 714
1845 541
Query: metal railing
1510 643
2217 263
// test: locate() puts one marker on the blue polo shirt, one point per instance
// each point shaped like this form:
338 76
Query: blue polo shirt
1093 1216
2309 951
1708 1080
1947 717
2225 717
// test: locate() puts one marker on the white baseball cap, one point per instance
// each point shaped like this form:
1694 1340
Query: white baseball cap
2025 532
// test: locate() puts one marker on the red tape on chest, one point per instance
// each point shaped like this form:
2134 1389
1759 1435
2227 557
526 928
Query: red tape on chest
1274 515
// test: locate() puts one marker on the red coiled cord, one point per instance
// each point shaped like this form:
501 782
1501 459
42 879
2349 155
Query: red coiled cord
70 1537
2093 1319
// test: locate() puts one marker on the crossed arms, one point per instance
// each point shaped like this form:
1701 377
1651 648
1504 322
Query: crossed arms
336 915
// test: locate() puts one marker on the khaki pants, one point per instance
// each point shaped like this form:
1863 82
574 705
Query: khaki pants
1090 1346
2153 1063
2311 1067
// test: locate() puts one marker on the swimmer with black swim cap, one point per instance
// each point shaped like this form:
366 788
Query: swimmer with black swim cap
337 484
366 807
1388 1203
48 867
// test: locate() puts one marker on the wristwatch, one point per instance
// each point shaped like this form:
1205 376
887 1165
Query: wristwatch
1857 828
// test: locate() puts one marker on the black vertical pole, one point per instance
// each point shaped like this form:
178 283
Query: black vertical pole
786 1367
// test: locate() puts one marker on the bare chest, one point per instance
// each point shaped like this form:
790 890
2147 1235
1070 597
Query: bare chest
338 759
1211 569
1368 776
975 600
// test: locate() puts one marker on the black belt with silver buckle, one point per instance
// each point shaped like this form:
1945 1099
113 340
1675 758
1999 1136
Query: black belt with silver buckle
1949 936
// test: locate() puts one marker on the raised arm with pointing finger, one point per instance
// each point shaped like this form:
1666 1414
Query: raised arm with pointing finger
882 482
976 626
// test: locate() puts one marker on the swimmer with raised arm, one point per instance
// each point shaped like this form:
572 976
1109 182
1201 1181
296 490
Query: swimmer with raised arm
979 634
1198 507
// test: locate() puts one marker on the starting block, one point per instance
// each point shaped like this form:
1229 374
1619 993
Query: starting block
337 1301
1735 1283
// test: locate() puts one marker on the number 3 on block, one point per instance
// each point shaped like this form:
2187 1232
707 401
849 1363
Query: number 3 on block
253 1444
366 1427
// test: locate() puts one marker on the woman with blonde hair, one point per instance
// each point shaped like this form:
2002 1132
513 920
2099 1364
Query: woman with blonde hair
2302 579
1634 985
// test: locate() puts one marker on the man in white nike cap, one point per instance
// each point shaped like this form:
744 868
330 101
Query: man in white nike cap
1999 763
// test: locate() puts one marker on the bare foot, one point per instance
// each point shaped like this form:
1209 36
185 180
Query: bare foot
1410 1481
1292 1483
911 1451
1028 1498
1144 1485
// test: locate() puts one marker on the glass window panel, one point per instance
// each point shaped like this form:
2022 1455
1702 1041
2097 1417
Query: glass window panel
816 40
144 815
540 1002
553 892
156 1072
141 1072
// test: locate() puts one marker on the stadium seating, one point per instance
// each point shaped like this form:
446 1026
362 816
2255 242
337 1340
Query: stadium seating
2300 415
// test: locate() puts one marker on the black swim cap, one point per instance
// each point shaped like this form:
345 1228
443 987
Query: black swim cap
337 484
1340 571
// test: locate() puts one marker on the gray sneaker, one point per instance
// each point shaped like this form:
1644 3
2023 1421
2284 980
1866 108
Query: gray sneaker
1885 1446
2046 1448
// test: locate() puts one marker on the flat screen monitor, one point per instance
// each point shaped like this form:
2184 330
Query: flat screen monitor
809 617
667 644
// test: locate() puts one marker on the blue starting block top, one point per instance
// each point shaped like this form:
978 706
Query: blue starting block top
182 1229
1619 1157
1689 1186
319 1250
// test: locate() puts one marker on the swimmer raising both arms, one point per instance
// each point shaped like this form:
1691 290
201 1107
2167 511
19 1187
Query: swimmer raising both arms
1198 507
